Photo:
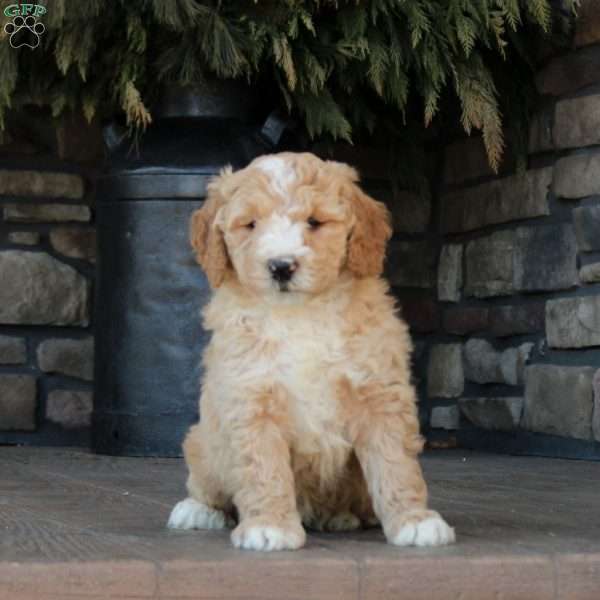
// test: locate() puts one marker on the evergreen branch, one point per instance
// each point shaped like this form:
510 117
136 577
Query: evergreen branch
342 66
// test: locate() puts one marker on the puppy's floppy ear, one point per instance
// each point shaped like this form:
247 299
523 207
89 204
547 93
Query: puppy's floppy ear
366 246
207 237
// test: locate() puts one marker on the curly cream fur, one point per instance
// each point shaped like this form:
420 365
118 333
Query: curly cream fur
308 411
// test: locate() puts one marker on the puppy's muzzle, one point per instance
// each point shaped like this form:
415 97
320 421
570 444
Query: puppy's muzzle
282 269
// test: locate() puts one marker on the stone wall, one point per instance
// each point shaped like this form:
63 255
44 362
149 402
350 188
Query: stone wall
498 276
515 361
47 255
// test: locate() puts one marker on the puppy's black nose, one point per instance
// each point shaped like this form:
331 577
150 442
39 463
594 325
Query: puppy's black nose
282 269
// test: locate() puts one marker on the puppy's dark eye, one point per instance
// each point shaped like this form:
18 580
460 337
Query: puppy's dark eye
251 225
313 223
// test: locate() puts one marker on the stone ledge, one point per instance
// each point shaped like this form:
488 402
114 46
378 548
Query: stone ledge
577 176
520 319
590 273
13 350
489 265
70 409
526 259
463 320
24 238
450 276
445 377
577 122
545 258
493 414
75 242
484 364
570 72
41 184
73 357
44 291
499 201
587 227
547 410
445 417
17 403
573 322
46 213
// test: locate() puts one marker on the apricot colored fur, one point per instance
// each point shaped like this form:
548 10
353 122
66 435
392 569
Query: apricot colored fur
308 411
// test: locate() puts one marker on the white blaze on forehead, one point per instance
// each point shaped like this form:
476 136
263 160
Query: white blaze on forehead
280 172
282 237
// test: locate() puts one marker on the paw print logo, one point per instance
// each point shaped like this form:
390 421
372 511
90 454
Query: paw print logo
24 32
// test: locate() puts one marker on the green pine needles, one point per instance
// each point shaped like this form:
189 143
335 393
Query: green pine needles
344 67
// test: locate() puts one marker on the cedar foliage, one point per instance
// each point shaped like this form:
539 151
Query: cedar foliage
343 66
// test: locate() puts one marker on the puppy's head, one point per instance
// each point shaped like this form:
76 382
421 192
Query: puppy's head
289 223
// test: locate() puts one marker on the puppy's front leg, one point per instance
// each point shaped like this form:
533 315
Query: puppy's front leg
386 439
265 494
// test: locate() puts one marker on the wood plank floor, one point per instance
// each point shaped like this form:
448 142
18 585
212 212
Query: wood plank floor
77 525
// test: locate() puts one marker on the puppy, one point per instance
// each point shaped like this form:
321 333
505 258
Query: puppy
308 412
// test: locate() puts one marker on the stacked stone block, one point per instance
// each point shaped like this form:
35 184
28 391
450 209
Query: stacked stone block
518 277
47 250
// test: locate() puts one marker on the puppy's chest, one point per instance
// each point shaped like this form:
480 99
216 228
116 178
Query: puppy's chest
307 357
309 362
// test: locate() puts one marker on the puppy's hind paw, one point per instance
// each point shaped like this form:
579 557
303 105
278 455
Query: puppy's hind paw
423 528
344 521
253 534
191 514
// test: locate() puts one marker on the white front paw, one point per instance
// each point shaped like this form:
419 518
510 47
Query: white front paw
259 536
428 529
191 514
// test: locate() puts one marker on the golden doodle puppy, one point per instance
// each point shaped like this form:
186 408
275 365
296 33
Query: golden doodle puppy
308 412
